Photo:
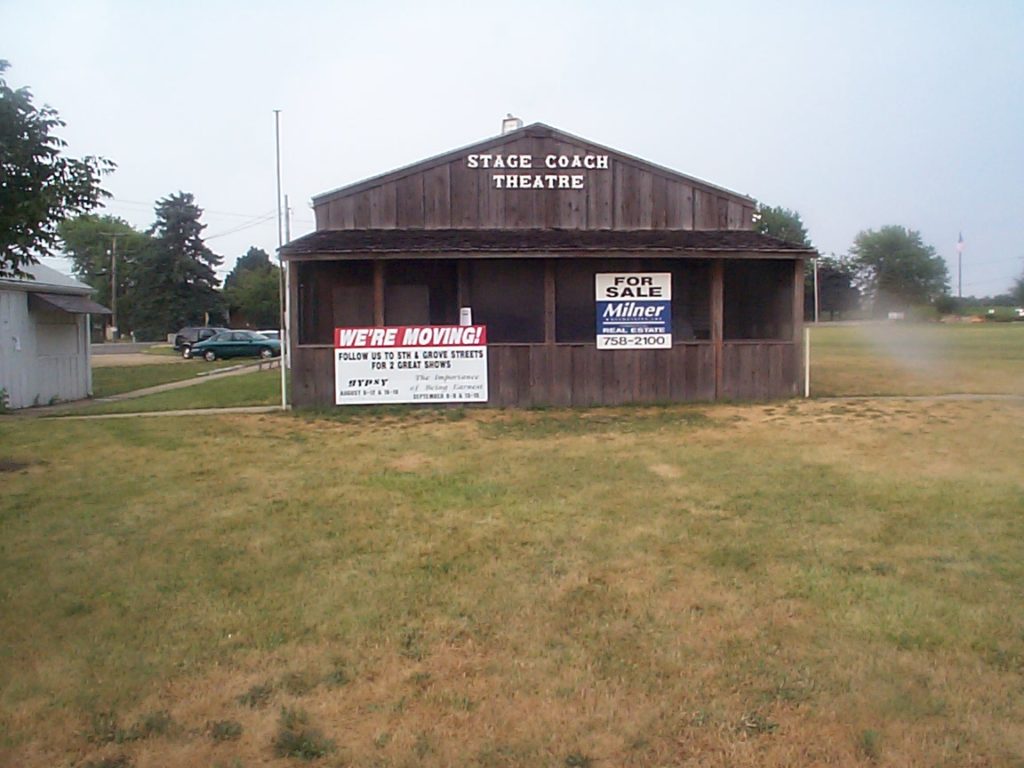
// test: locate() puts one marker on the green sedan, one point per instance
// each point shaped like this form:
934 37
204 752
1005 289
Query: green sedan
237 344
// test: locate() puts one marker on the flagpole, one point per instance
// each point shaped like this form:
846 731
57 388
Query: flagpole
281 284
960 266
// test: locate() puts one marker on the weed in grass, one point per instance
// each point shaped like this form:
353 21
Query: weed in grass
299 683
733 557
338 676
423 746
295 738
869 745
411 644
157 723
105 729
77 609
257 697
578 760
382 739
756 723
118 761
225 730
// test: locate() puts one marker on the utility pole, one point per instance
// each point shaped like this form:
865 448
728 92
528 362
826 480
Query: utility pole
287 221
113 281
113 290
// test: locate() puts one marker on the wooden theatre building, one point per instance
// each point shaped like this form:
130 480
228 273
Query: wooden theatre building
598 278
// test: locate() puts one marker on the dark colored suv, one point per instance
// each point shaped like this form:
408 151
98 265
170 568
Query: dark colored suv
186 337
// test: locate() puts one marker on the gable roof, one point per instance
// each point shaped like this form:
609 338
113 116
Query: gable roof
534 130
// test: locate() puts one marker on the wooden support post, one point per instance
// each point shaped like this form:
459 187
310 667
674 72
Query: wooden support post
798 314
378 292
549 301
717 311
462 288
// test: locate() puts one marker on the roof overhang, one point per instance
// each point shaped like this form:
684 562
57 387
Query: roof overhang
65 302
343 244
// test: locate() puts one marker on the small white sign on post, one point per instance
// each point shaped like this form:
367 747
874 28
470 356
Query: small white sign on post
634 310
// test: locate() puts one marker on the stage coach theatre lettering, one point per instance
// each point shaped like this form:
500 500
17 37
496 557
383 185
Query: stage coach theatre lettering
547 172
634 310
410 364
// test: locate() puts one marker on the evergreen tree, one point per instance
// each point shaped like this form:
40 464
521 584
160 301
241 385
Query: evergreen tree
177 284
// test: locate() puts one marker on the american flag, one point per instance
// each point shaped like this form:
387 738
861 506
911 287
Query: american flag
960 243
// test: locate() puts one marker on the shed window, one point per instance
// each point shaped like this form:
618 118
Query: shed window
758 300
508 297
420 293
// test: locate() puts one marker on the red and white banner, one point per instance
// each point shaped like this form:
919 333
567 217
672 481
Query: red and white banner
410 364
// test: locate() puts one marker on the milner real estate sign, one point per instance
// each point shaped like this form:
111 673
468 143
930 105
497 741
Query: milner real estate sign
634 310
410 364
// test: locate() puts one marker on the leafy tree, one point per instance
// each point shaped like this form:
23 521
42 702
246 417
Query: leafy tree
897 269
39 186
781 223
1017 292
252 290
176 284
89 243
255 297
837 292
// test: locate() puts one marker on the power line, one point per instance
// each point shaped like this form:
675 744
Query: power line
257 222
123 201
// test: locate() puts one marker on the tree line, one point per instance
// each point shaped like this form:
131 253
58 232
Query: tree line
889 269
164 278
157 280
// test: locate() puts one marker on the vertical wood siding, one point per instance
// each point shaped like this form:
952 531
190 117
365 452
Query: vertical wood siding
628 195
526 375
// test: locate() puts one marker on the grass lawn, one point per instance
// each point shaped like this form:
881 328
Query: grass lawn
115 380
786 584
917 359
259 388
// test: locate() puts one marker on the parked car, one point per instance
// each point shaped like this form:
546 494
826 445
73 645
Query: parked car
190 335
270 334
237 344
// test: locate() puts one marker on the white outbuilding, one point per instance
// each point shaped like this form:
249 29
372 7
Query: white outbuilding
44 338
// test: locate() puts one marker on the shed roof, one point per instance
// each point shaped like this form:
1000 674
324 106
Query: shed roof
43 278
484 243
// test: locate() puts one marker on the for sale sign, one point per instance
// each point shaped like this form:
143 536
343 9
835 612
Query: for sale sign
634 310
410 364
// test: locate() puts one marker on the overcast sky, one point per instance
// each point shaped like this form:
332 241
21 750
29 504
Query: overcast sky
857 115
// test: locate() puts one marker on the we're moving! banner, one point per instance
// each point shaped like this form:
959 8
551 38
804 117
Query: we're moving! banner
410 364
